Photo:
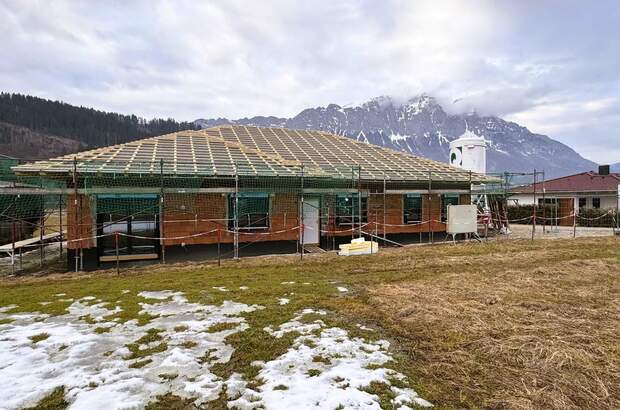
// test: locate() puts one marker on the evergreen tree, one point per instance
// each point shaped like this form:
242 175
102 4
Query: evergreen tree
92 127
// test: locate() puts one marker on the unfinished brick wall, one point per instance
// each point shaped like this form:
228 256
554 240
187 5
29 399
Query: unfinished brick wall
191 214
85 228
464 199
186 215
284 217
431 211
394 222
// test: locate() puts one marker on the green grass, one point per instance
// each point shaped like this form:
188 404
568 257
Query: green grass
264 277
321 359
383 391
171 402
39 337
100 330
53 401
140 363
313 372
168 376
151 336
220 327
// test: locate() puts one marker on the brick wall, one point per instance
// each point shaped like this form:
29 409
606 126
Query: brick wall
191 214
394 222
187 214
86 223
179 222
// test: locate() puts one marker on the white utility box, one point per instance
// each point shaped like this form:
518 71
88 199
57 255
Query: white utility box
462 219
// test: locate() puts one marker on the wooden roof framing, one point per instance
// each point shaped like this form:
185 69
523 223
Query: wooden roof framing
222 150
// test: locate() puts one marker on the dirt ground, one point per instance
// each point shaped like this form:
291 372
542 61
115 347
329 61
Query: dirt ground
560 232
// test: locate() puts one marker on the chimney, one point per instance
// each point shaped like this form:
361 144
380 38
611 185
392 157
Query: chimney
603 169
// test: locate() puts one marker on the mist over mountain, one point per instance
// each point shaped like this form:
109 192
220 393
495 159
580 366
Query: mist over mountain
421 126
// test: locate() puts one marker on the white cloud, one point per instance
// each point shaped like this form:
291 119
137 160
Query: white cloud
188 59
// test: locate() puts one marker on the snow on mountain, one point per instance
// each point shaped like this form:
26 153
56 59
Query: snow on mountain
420 126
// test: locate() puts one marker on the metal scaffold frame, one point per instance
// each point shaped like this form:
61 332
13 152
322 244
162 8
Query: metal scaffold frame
67 208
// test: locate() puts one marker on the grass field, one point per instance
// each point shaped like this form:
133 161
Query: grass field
511 324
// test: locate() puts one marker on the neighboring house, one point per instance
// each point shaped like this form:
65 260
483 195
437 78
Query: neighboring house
237 184
585 190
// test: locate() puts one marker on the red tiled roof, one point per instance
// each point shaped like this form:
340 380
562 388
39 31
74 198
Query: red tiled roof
584 182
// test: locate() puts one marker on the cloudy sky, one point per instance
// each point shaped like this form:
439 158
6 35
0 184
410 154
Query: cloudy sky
553 66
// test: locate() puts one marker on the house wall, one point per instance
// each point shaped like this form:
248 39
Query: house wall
394 222
608 201
209 212
191 214
82 208
188 216
284 218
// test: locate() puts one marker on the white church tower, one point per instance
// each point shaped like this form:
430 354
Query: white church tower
469 152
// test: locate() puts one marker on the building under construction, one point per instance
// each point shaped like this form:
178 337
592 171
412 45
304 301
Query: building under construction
230 186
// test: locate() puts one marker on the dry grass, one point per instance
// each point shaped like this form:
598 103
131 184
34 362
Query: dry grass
507 324
528 338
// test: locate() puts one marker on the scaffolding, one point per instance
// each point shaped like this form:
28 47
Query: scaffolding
130 214
110 217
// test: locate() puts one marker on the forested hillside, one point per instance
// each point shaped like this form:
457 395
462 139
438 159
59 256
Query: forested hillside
91 128
24 143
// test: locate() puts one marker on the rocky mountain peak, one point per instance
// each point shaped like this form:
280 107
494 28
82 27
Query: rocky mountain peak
420 126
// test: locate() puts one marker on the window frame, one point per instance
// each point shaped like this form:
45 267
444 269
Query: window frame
444 205
585 202
420 212
596 202
132 214
344 219
249 226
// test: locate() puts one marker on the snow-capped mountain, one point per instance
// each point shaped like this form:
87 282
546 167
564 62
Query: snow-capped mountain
615 167
420 126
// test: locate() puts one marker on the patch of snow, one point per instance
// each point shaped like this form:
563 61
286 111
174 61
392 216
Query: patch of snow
296 380
342 289
397 137
362 327
288 283
361 137
283 301
220 288
160 295
7 308
94 367
296 325
60 294
244 287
